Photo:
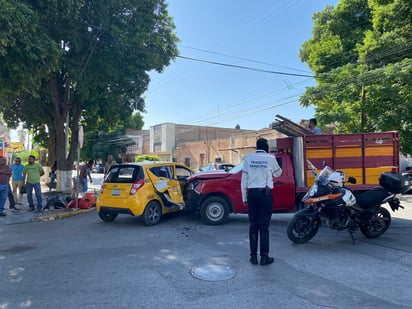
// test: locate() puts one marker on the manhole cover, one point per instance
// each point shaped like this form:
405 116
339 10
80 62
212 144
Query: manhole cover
212 272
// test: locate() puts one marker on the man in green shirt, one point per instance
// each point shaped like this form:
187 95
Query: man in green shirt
31 179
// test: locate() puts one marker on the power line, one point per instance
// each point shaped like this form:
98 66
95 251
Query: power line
240 58
244 67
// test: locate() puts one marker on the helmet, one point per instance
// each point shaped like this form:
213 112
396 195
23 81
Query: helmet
349 198
336 179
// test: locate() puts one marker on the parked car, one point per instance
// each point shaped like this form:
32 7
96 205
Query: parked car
216 167
98 168
145 189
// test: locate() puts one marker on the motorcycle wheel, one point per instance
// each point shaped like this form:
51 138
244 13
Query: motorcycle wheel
378 223
302 229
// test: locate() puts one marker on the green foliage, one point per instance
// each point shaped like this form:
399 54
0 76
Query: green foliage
141 158
135 121
361 54
103 143
27 54
58 58
24 155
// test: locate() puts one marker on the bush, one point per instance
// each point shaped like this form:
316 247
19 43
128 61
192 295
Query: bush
141 158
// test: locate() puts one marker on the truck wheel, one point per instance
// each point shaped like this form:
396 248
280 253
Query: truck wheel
301 229
214 211
152 213
107 216
378 223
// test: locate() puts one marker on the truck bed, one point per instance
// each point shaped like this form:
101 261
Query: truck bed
364 156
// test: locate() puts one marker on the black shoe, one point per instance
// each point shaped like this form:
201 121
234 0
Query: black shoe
31 209
266 260
2 214
253 259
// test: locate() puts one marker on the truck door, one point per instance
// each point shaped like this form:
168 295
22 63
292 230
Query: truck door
284 186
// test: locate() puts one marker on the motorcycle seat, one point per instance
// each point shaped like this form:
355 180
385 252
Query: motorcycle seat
371 198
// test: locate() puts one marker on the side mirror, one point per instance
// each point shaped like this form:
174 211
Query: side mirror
352 180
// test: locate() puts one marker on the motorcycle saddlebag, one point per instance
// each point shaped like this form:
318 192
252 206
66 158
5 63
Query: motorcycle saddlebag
394 183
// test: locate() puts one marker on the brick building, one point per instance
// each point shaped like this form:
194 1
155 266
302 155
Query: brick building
195 146
165 138
230 149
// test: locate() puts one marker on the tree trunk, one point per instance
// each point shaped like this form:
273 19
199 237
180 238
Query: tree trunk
58 147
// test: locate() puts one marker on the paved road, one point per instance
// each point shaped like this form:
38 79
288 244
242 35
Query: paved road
81 262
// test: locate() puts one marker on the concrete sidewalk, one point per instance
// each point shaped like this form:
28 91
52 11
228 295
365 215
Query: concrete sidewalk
23 215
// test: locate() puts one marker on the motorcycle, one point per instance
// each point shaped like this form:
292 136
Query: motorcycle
343 209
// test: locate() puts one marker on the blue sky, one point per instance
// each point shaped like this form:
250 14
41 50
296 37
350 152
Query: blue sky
266 34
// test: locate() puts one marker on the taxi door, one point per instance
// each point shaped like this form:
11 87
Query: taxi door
166 185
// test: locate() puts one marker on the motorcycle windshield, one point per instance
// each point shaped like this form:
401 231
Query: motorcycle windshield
320 186
322 178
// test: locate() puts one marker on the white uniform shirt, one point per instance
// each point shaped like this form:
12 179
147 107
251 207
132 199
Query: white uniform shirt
258 171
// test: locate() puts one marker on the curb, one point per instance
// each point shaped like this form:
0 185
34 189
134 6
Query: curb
64 215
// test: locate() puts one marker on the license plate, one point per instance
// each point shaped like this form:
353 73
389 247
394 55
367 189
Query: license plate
116 192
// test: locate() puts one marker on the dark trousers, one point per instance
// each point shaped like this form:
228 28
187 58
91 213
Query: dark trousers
260 213
12 202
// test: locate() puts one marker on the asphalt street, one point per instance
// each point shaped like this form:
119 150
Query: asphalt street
82 262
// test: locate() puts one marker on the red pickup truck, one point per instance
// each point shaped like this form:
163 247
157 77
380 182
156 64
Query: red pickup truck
364 156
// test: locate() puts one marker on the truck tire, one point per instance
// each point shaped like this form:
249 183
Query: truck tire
378 223
214 211
301 229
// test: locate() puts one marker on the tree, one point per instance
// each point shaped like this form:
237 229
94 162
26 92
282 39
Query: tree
361 54
102 52
135 121
114 143
26 54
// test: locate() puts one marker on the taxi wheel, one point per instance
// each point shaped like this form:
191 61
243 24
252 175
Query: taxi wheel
107 216
152 213
214 211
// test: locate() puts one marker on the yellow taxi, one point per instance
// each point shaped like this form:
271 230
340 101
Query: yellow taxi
146 189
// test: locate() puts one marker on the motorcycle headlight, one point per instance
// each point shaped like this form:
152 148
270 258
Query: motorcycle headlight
312 191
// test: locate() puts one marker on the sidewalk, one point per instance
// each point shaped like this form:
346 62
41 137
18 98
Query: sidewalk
23 215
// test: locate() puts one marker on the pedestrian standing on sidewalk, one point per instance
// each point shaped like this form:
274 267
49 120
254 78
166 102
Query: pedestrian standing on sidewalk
259 168
5 173
17 179
84 173
31 179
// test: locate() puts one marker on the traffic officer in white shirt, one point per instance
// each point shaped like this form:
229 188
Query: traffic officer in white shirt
259 168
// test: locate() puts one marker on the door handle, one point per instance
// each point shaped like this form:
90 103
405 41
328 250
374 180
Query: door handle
279 183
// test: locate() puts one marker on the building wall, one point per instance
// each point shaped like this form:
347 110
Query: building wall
196 146
164 137
142 146
231 149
